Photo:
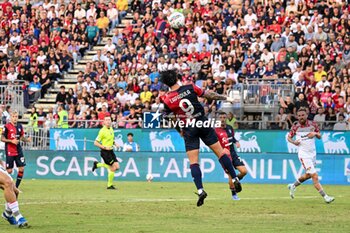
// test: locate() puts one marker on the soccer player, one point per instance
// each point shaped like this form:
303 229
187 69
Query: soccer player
13 133
305 132
105 141
226 136
11 213
183 102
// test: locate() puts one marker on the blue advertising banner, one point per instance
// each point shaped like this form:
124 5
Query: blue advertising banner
174 166
261 141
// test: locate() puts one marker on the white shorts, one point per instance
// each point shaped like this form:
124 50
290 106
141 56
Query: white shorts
2 170
309 164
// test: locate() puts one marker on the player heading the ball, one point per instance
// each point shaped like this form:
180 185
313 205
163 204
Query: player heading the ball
183 102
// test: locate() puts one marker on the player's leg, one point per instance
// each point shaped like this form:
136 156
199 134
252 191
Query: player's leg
210 138
10 162
111 172
11 206
317 184
20 163
196 174
242 172
301 179
226 163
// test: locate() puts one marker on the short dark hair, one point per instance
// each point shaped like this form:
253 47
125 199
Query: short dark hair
130 134
222 113
169 77
302 109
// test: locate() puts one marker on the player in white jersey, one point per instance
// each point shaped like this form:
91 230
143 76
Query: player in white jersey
11 213
305 132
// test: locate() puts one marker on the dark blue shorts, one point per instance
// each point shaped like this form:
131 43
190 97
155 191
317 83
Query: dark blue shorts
192 136
19 160
236 160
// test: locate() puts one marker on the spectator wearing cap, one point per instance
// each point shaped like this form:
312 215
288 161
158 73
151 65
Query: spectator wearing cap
277 44
319 73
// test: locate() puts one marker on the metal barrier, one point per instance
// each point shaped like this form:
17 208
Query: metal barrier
12 94
265 93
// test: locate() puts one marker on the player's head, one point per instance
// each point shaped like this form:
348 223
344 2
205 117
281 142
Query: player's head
14 117
302 115
107 121
169 77
222 118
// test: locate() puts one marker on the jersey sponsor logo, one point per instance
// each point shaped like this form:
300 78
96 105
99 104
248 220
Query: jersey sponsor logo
291 147
334 144
65 142
160 142
248 143
151 120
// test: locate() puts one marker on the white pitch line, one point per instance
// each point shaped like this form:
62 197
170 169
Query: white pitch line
137 200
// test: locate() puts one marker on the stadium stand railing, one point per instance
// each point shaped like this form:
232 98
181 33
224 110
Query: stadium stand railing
12 95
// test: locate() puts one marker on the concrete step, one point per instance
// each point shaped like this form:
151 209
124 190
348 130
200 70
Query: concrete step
98 47
74 72
92 52
79 67
47 100
51 95
44 105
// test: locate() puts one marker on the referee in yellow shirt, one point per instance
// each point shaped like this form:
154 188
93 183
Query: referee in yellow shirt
105 141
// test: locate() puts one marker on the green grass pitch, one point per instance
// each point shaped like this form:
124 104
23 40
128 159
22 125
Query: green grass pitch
86 206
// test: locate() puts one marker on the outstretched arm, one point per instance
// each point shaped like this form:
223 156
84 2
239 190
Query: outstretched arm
215 96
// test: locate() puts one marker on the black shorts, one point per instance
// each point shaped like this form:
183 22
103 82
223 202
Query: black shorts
192 136
108 156
19 160
236 160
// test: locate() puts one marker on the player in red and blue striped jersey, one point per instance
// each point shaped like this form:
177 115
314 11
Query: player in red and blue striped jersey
226 136
183 102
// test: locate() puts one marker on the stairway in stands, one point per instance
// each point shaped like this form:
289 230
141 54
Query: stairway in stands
70 79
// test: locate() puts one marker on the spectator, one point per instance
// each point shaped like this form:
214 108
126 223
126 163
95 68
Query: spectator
61 96
34 90
6 115
341 125
130 145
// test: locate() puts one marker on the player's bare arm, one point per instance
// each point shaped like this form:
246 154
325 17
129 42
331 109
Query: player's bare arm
210 95
14 141
26 139
314 134
295 142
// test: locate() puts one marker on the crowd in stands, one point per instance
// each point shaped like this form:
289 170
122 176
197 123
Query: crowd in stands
224 45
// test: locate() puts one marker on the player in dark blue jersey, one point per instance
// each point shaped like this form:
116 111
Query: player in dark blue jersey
226 136
183 102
